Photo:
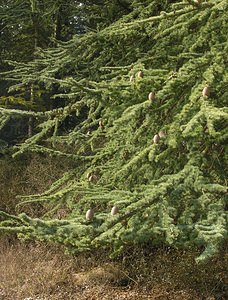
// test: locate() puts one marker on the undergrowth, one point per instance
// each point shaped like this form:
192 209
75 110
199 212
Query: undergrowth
39 271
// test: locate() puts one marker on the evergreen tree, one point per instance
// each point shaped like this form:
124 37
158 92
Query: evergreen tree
145 112
25 26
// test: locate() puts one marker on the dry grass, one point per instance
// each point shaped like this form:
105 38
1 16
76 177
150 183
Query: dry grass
34 271
26 176
26 271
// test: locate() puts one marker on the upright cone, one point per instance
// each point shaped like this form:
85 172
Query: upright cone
156 139
92 178
89 214
151 96
162 134
114 210
206 92
140 74
132 78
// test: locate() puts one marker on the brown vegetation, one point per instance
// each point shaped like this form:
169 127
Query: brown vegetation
35 271
24 176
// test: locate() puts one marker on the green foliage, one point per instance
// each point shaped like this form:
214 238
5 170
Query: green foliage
172 191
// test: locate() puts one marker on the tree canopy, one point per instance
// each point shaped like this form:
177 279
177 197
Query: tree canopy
135 95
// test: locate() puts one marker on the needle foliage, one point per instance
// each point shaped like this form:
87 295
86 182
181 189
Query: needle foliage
162 161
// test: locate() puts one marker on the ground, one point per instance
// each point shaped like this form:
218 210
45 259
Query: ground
35 271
